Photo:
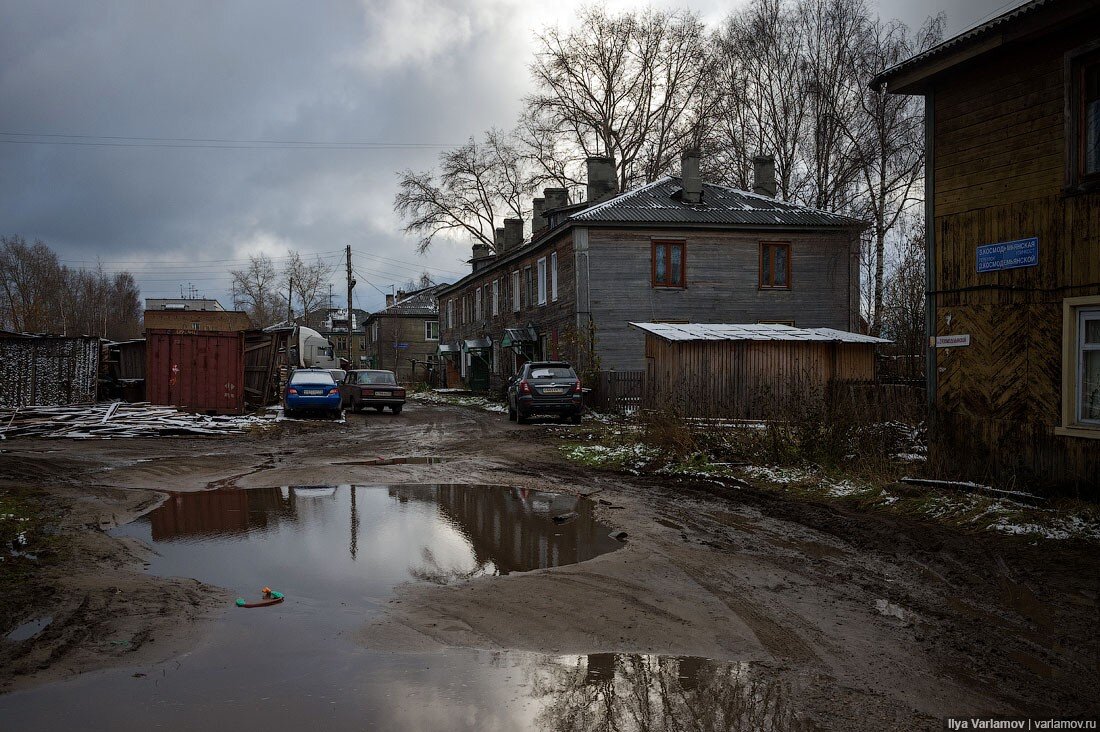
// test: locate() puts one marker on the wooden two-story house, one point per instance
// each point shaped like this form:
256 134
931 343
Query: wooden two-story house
1013 242
675 250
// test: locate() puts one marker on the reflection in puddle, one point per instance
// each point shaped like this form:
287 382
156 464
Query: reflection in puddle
605 691
323 540
338 553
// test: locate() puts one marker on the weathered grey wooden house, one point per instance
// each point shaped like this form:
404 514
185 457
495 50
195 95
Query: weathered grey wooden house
403 337
675 250
1013 248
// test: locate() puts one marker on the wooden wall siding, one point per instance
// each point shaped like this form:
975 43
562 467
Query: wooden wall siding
999 157
747 379
722 285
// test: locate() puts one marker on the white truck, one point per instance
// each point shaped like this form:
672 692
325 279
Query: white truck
309 349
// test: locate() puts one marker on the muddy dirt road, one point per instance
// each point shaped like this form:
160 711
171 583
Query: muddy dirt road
860 621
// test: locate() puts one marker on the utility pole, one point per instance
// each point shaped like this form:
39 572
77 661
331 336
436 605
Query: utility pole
290 299
351 316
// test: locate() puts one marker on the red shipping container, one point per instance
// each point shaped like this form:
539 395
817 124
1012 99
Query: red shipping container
201 371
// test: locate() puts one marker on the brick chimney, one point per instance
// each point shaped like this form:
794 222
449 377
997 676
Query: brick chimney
482 255
689 174
602 180
513 233
538 221
498 240
763 175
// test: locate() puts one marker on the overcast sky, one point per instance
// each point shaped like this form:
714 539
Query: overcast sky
415 72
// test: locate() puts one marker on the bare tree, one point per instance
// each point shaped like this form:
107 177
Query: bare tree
620 85
759 73
308 280
904 302
477 186
255 289
887 140
30 278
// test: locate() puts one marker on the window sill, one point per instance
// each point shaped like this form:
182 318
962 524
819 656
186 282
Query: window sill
766 288
673 288
1091 433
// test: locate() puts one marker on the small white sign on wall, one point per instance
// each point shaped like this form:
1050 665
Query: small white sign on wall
953 341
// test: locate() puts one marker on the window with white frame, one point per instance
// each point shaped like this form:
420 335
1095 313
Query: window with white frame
496 298
541 266
431 330
554 276
374 328
477 304
515 292
1080 367
1088 367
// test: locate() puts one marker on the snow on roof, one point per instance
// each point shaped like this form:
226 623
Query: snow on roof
751 332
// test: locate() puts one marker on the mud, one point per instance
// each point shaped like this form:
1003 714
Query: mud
863 621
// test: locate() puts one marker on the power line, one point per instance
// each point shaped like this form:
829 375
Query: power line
328 254
127 138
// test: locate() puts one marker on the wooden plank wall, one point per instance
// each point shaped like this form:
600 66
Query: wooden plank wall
999 171
747 379
722 284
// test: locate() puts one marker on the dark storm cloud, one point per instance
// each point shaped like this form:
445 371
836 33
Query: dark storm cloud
378 70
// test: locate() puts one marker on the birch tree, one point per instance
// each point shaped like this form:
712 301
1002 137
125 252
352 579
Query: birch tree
887 138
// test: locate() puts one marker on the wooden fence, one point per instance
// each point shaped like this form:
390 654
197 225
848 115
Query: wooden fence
617 391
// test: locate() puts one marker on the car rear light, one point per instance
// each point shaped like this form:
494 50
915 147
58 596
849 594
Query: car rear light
399 392
333 390
291 390
524 387
577 387
367 392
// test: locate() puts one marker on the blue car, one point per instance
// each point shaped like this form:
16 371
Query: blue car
311 389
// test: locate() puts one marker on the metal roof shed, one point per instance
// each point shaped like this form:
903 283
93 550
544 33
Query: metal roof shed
748 371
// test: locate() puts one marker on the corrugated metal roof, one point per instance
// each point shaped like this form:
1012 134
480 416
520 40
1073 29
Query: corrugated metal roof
751 332
659 202
974 34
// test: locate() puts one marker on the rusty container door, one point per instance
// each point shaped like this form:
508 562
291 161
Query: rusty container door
200 371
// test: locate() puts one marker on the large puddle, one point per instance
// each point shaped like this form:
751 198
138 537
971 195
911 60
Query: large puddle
338 552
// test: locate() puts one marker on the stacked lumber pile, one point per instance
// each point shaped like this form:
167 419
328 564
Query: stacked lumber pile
117 419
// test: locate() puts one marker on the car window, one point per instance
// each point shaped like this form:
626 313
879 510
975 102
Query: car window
375 377
311 377
552 372
337 375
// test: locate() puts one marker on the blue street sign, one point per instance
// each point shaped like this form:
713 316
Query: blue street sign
1008 255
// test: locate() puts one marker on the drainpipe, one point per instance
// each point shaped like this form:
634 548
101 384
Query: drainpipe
930 374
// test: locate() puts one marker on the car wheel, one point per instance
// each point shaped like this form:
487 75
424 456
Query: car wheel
396 410
511 413
576 419
337 413
521 417
379 409
288 413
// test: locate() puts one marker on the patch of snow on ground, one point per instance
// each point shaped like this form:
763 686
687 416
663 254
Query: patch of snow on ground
441 397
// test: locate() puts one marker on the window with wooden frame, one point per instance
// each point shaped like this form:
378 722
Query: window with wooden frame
477 304
554 276
515 292
496 297
1083 118
1081 367
775 265
529 286
669 264
431 330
